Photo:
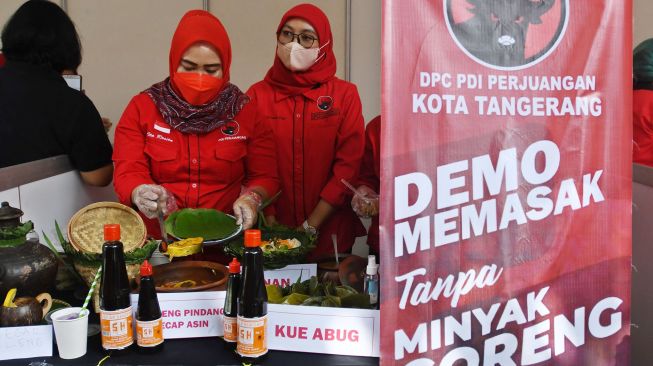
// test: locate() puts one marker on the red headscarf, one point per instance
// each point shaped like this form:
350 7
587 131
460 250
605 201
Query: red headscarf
293 83
2 60
197 26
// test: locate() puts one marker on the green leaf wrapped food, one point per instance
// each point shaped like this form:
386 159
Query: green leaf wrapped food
280 256
206 223
313 293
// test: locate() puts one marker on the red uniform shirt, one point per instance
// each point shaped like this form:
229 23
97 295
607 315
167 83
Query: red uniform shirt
370 173
199 170
643 127
319 136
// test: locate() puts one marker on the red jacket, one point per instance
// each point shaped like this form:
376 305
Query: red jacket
200 170
370 173
643 127
319 137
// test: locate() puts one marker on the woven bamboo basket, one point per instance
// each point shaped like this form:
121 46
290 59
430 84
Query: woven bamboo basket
86 227
88 274
86 235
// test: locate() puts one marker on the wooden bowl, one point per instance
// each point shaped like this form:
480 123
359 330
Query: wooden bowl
352 272
207 275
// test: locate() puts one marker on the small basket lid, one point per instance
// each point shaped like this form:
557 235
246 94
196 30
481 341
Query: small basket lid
86 227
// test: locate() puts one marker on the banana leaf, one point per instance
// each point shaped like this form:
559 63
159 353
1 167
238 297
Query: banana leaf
313 293
281 257
206 223
275 294
12 236
135 256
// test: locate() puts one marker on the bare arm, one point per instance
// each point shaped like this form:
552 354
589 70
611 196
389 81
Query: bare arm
321 212
100 177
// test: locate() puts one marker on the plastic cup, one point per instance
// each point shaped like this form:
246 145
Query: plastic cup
70 332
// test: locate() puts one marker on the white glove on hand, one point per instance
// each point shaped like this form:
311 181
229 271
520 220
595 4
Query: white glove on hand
246 209
149 198
366 203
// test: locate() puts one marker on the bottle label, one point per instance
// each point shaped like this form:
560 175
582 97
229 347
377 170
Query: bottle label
252 341
149 333
373 291
117 331
230 329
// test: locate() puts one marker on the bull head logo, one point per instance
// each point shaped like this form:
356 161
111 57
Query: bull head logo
496 32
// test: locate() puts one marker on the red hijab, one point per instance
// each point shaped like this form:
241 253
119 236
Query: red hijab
294 83
200 26
197 26
2 60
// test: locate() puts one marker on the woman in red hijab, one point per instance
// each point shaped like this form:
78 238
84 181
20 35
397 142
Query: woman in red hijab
318 127
195 139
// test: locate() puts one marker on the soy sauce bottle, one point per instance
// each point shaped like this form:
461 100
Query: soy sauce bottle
115 305
231 306
149 327
252 302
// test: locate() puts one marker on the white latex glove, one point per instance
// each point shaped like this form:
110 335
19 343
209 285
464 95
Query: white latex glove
150 198
246 209
366 203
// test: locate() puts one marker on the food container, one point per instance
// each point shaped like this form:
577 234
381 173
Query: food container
185 276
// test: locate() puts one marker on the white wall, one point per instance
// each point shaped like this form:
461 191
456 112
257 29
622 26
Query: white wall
366 54
643 13
126 43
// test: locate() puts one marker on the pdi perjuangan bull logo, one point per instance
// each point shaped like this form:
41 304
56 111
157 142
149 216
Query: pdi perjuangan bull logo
497 31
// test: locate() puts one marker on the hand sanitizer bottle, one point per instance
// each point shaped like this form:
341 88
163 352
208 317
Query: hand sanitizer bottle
371 286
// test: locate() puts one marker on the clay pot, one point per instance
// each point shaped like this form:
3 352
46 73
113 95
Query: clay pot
28 311
29 267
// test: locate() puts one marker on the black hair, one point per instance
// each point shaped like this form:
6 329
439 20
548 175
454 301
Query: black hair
41 33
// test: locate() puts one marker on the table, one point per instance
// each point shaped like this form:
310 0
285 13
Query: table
195 351
198 351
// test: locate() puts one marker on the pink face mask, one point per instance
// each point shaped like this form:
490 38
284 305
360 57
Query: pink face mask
297 58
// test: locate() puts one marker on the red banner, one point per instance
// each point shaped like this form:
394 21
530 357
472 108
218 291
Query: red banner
506 173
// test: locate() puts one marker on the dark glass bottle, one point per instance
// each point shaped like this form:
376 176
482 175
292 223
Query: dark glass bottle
230 317
149 327
252 302
115 305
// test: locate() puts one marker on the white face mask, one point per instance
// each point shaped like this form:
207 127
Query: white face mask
297 58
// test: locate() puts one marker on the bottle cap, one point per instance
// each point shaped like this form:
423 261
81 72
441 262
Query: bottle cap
146 269
234 266
372 266
252 238
111 232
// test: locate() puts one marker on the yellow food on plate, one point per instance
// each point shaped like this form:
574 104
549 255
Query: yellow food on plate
276 243
184 247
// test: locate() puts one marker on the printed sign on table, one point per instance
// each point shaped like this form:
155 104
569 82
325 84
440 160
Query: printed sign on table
190 314
353 332
506 159
288 275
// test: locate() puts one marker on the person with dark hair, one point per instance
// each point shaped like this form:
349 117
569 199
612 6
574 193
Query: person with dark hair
643 103
40 116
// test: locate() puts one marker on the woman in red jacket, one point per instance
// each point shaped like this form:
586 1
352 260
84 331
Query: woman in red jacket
318 127
366 204
643 103
195 138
